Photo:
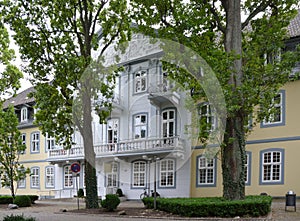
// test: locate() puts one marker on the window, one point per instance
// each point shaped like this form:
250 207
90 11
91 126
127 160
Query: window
68 177
140 126
248 168
167 173
24 114
206 171
139 174
112 175
35 142
35 177
168 123
49 177
22 182
272 166
207 118
140 81
112 130
23 137
276 117
50 143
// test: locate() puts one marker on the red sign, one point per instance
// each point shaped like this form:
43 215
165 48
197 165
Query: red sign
75 167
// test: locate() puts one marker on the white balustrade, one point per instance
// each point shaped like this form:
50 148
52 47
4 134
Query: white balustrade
153 144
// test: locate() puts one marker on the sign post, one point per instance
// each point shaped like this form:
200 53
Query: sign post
75 168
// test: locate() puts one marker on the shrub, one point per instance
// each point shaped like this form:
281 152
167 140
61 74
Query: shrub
22 201
33 198
119 192
252 206
110 202
6 199
18 218
80 193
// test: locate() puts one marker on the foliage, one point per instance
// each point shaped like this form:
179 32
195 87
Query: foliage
59 40
252 206
33 198
9 73
110 202
11 149
80 193
18 218
119 192
6 199
22 201
242 54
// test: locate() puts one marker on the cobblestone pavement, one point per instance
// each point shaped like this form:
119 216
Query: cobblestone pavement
51 210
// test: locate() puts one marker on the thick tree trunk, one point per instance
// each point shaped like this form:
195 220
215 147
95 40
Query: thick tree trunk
233 160
89 153
233 152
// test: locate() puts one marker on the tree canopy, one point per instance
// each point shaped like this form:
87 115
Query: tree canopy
11 149
57 39
9 73
247 55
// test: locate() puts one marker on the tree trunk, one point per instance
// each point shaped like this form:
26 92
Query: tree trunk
12 187
233 160
89 153
233 151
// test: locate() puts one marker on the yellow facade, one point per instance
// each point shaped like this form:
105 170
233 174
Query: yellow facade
283 138
33 160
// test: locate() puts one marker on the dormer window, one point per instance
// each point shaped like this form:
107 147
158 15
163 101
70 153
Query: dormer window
24 114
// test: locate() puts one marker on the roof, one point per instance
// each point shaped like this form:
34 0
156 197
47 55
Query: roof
294 26
20 98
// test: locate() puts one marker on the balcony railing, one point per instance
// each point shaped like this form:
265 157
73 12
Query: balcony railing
124 147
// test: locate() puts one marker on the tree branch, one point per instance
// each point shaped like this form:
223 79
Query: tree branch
217 17
257 10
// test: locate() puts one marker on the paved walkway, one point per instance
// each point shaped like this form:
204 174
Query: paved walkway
51 210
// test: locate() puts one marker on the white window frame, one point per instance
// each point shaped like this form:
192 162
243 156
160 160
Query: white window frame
35 142
112 177
278 106
167 173
35 178
140 126
271 164
208 116
68 177
49 177
168 123
50 143
208 167
113 129
139 169
24 114
247 168
140 81
22 183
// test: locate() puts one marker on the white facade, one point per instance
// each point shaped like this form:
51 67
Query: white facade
146 130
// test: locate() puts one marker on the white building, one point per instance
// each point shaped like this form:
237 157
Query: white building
146 130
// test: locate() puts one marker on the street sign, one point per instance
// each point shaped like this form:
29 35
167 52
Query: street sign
75 167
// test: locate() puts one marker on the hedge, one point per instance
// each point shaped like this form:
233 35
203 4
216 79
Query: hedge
252 206
6 199
33 198
22 201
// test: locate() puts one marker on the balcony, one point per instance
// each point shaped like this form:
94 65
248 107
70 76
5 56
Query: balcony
163 93
124 148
